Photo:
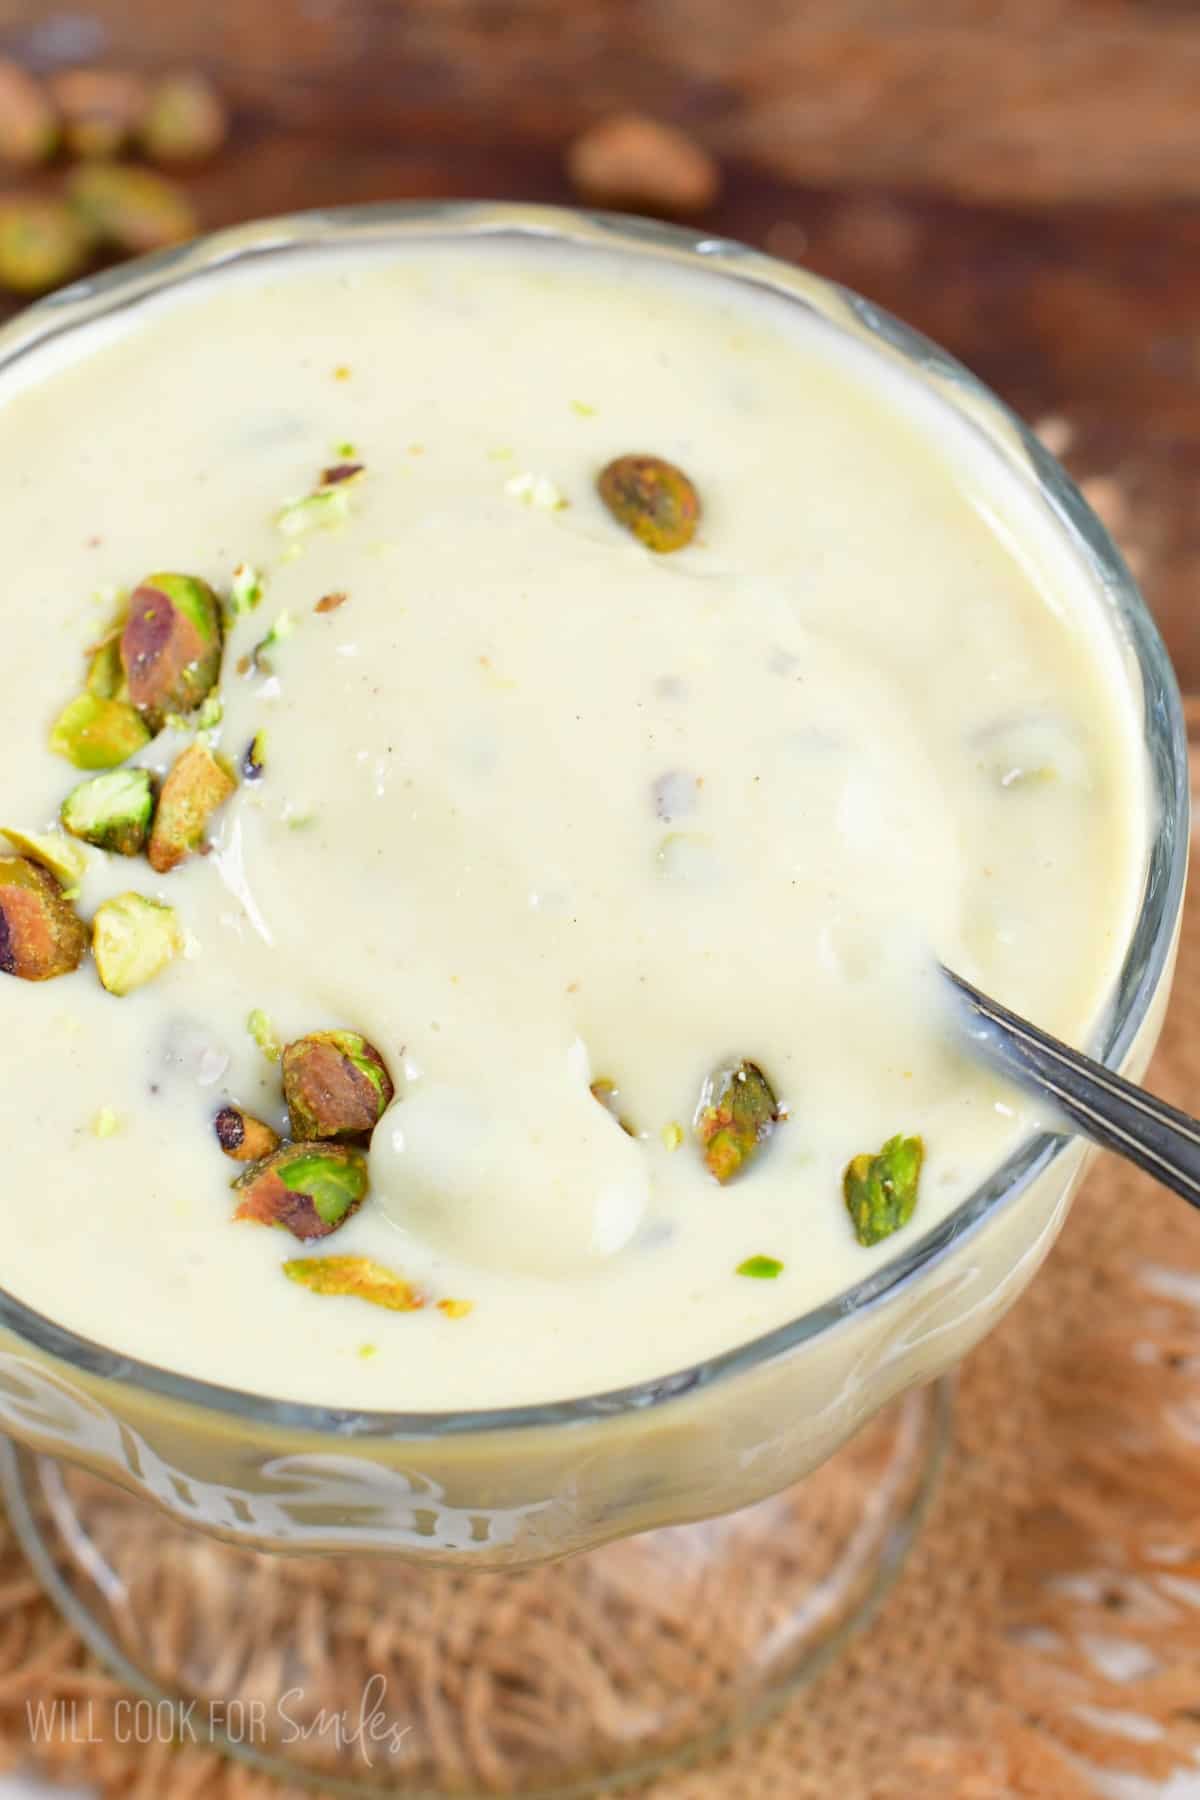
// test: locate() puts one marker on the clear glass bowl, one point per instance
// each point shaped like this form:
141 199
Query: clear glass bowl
508 1489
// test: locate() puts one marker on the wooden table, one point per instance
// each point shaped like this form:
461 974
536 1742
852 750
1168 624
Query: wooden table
1019 178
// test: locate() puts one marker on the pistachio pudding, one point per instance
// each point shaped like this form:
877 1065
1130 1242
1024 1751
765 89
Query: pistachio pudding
496 736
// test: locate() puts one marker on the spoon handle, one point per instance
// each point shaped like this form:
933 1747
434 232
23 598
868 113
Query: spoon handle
1103 1106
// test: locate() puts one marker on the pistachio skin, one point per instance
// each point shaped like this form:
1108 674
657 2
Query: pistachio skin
128 209
41 243
95 733
336 1085
652 499
355 1277
133 941
310 1189
737 1113
195 789
242 1137
171 645
112 811
40 935
881 1191
185 120
28 117
101 108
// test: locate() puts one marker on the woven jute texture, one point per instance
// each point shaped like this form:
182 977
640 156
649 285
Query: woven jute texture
1047 1624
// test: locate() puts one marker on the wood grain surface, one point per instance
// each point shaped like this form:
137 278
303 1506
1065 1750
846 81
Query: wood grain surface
1019 178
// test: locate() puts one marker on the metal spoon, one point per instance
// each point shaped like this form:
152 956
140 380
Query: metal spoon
1103 1106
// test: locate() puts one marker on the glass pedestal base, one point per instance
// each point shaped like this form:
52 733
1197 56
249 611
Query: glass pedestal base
367 1675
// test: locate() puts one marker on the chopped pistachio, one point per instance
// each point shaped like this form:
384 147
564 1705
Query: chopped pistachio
326 507
260 656
336 1085
254 757
65 860
652 499
112 811
881 1191
106 1124
129 209
245 590
736 1114
40 935
456 1309
609 1096
106 672
211 712
310 1189
133 941
185 119
355 1277
338 473
583 409
264 1035
330 602
41 244
760 1268
101 108
28 117
94 733
243 1137
197 786
171 644
672 1135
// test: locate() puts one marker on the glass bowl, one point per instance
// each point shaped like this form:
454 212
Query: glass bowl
456 1512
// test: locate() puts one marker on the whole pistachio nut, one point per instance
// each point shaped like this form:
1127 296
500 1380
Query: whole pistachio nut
737 1113
357 1278
243 1137
128 209
95 733
197 786
310 1189
101 108
171 644
112 811
881 1191
40 935
41 243
28 117
336 1085
652 499
185 120
133 940
65 860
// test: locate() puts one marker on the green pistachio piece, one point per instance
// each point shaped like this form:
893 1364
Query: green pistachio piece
194 790
65 860
133 940
760 1268
609 1096
328 504
881 1191
171 644
261 655
106 673
355 1277
94 733
336 1085
737 1113
264 1035
112 811
41 244
40 935
185 120
651 498
101 108
243 1137
245 590
310 1189
130 209
28 118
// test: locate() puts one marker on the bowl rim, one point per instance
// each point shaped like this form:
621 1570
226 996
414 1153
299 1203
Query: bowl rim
1148 954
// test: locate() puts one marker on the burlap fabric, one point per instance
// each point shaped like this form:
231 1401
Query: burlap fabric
1047 1625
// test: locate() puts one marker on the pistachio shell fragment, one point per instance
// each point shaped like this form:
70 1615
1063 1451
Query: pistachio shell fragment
336 1085
171 644
65 860
652 499
355 1277
129 209
197 786
28 117
133 940
243 1137
101 108
40 935
881 1191
310 1189
737 1113
185 120
95 733
41 243
112 811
